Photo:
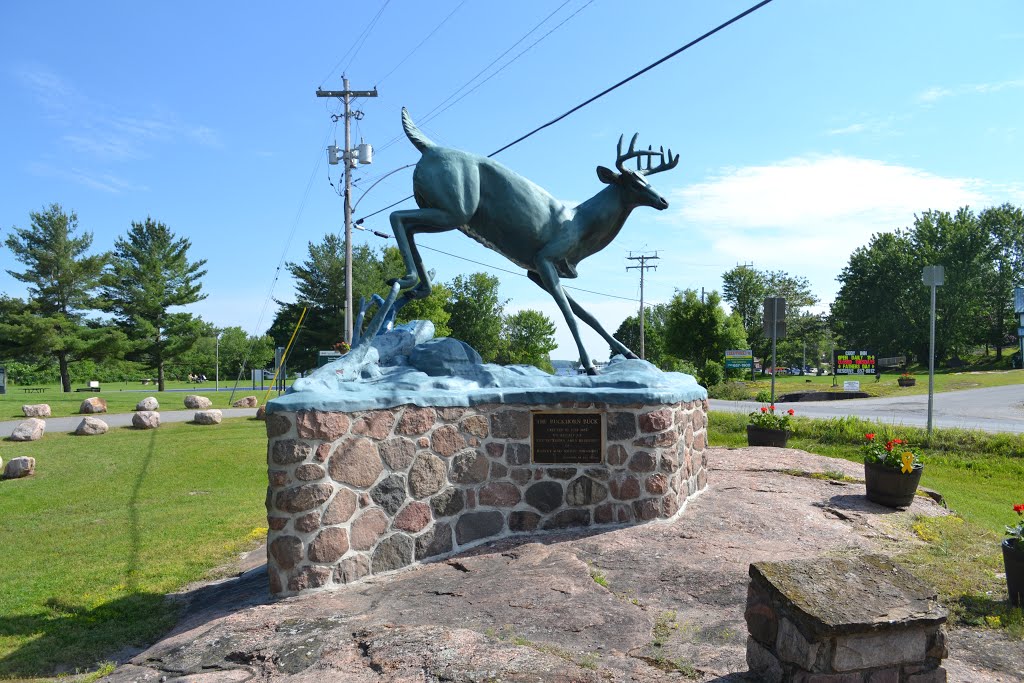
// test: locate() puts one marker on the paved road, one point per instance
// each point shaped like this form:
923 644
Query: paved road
69 424
994 409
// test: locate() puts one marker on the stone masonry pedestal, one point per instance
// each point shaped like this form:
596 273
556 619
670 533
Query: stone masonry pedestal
363 492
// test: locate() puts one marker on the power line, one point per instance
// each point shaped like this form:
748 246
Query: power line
358 44
635 75
428 116
601 94
513 272
420 44
511 61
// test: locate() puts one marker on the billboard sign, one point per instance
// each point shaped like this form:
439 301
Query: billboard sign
854 363
736 359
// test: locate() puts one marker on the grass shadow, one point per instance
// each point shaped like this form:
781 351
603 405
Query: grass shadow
83 637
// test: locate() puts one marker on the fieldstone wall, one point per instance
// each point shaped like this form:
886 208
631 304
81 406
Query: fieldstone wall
850 620
353 494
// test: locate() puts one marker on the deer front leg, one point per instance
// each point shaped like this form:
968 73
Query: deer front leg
547 278
586 317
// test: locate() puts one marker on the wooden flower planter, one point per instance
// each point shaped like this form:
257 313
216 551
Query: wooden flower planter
907 382
759 436
1013 560
890 486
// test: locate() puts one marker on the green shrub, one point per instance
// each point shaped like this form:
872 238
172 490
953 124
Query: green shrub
730 391
763 396
712 374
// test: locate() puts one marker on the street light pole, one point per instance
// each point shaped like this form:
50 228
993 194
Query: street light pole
933 276
217 370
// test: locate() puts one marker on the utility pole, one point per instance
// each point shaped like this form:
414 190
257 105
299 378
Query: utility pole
346 96
643 259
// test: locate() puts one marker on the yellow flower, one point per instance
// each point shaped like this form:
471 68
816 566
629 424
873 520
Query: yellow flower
908 462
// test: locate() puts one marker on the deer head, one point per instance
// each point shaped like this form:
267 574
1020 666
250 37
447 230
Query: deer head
638 191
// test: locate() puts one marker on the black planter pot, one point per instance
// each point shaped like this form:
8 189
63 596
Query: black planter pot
1013 560
759 436
907 382
891 487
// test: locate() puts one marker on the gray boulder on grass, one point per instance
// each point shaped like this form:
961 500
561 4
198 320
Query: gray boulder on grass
148 403
247 402
91 426
30 430
146 419
197 402
93 405
20 467
208 417
36 410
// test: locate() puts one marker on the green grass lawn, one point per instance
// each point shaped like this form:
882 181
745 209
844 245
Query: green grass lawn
108 525
121 398
92 543
980 476
945 380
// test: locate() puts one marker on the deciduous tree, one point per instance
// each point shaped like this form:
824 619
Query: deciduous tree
699 331
528 338
477 313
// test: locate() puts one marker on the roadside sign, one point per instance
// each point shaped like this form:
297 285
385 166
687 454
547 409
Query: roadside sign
775 317
854 363
1018 301
851 385
325 357
736 359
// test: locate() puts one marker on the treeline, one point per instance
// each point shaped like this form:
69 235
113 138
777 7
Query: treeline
118 315
113 315
883 305
692 332
468 308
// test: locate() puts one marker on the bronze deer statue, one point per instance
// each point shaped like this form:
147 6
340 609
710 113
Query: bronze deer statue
518 219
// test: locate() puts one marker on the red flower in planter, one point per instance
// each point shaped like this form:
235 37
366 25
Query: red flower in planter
1016 533
763 409
791 411
870 436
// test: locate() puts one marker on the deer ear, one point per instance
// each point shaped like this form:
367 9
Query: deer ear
607 175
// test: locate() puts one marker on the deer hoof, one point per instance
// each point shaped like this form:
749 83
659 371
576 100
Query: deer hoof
632 356
592 371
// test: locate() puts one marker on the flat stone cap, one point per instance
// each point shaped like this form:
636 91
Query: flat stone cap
838 595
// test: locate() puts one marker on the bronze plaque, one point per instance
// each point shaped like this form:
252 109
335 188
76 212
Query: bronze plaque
567 438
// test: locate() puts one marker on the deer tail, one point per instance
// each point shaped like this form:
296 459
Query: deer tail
416 137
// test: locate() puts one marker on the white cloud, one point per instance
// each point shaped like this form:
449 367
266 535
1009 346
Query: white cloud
105 182
806 214
89 127
847 130
871 126
936 93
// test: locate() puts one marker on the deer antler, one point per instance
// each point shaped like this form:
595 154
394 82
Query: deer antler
633 153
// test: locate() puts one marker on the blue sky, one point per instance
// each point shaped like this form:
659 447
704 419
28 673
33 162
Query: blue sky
802 129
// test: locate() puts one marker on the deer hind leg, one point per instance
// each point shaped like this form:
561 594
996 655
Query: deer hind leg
405 224
548 279
585 316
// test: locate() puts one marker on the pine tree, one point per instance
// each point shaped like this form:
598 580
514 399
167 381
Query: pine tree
150 273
